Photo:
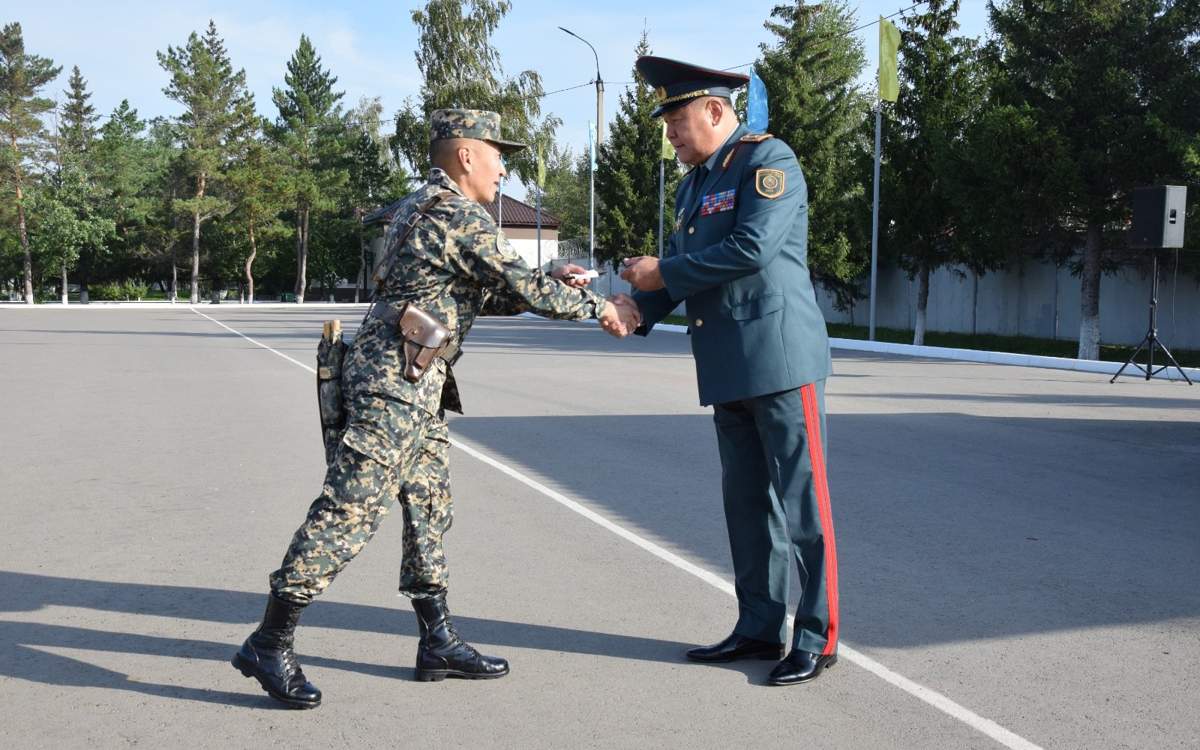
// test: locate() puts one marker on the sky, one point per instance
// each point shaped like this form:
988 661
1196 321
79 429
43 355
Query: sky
370 46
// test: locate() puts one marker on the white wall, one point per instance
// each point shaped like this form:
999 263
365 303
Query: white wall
1036 300
528 249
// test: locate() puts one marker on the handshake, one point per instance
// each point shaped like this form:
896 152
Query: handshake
621 315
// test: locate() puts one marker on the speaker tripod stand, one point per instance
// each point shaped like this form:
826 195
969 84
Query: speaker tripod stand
1151 340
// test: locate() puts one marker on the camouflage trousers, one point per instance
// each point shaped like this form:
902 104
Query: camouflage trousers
390 451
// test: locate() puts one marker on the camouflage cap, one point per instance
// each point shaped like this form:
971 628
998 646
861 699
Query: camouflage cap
479 124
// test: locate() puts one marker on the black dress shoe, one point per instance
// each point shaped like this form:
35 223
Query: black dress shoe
799 667
736 647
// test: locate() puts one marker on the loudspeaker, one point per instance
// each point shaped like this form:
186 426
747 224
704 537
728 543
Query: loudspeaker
1158 216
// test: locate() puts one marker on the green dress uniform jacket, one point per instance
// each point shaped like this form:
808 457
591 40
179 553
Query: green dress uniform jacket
738 257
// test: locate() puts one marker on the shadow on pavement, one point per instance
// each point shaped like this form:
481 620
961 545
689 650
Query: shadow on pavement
23 644
950 527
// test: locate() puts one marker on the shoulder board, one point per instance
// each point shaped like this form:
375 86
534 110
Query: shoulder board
755 137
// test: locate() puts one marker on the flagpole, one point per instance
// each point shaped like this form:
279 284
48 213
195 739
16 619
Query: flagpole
875 224
662 196
888 85
539 227
592 197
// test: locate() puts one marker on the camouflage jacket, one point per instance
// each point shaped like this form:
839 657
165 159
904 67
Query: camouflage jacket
456 265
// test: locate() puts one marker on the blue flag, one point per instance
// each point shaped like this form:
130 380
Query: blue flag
756 105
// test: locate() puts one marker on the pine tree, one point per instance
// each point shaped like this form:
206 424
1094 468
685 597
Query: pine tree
627 176
461 68
123 162
218 115
309 132
21 75
1111 91
810 72
74 144
941 91
78 116
255 181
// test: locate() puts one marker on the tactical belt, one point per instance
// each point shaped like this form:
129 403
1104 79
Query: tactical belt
448 350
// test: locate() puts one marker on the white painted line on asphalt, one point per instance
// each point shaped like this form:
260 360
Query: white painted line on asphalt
252 341
932 697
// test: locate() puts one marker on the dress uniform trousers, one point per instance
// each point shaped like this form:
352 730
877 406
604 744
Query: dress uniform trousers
777 506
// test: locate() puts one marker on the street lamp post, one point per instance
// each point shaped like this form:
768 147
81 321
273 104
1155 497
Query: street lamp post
599 87
598 140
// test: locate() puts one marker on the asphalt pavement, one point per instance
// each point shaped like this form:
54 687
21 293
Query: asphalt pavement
1018 548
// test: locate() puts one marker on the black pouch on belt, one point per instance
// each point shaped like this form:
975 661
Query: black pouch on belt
425 339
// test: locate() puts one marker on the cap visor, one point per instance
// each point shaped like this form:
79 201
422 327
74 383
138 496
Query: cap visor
508 147
662 109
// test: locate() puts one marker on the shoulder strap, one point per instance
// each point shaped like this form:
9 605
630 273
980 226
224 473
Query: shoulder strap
751 138
409 223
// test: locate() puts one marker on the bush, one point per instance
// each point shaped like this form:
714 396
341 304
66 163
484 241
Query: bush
129 289
135 289
104 292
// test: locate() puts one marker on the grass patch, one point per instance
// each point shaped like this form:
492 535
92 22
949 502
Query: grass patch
994 343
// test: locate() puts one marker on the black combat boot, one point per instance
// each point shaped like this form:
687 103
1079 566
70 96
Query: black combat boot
441 653
267 656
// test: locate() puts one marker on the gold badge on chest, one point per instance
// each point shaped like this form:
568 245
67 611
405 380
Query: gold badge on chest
769 183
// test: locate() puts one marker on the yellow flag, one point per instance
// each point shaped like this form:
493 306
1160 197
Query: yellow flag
668 151
541 167
889 42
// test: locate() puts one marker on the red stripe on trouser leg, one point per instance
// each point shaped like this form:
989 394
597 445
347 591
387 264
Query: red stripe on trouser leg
816 453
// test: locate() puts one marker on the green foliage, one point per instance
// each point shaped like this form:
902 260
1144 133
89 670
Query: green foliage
460 68
218 109
940 96
816 108
566 192
218 115
309 130
21 76
113 291
1110 91
627 176
312 140
78 116
65 218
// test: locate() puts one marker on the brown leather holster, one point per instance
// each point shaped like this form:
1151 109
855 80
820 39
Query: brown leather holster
425 337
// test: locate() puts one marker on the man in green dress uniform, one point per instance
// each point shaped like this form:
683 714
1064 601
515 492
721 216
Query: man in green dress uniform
738 259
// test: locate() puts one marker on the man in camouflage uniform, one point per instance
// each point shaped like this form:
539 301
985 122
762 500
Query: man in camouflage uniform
454 264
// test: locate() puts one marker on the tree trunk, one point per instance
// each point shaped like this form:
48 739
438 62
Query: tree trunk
196 242
24 235
922 304
249 264
301 254
1089 295
82 271
174 276
21 233
64 282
